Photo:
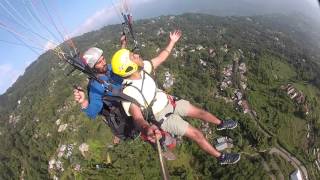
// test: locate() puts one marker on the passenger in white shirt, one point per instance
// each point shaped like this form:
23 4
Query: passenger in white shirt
167 113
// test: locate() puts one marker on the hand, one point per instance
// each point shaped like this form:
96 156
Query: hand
79 95
153 133
123 41
175 35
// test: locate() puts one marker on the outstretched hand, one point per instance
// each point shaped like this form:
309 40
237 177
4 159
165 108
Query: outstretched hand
163 56
175 35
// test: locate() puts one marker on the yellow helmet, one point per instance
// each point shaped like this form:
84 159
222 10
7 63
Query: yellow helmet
121 63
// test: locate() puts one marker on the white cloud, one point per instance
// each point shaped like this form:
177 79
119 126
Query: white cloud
8 75
98 20
105 16
50 45
313 3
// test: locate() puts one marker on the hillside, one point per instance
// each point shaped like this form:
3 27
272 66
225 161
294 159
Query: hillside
261 70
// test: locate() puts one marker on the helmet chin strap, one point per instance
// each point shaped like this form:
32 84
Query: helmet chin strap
140 68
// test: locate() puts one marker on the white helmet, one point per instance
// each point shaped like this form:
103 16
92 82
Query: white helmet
92 55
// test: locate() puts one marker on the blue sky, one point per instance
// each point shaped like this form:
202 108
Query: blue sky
78 17
15 57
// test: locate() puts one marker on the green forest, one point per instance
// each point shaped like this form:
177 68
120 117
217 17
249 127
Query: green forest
262 71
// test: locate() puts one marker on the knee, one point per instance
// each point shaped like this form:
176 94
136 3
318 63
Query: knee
196 134
197 112
202 112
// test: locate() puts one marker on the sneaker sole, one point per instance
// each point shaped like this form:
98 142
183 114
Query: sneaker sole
232 162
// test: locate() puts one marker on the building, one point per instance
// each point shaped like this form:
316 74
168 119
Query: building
199 47
224 139
296 175
169 80
202 62
245 106
223 146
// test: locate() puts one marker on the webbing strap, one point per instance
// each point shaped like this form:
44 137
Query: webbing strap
148 113
164 118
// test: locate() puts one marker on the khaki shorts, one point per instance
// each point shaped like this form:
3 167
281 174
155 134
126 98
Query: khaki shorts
174 124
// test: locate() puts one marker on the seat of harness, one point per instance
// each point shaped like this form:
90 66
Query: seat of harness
172 101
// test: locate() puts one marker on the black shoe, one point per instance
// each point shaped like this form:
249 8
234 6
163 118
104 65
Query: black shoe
227 124
229 158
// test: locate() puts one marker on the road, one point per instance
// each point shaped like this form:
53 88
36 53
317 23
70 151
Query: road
267 168
291 159
278 149
282 152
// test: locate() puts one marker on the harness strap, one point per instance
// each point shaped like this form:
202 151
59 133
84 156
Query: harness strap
167 141
165 117
148 112
172 101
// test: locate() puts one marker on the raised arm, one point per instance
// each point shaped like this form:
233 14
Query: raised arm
174 37
123 41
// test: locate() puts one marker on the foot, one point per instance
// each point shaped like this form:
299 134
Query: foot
229 158
227 124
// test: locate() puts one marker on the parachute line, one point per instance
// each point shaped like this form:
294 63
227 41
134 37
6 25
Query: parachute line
35 16
51 19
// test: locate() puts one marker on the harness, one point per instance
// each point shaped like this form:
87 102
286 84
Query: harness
115 117
148 111
172 100
167 141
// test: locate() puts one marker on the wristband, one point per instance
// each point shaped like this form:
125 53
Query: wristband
166 50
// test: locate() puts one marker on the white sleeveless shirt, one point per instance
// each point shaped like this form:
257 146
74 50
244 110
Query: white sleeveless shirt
149 90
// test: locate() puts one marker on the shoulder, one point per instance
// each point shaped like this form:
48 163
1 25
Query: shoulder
95 87
93 83
129 89
148 66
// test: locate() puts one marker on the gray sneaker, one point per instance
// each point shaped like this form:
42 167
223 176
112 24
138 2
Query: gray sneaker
229 158
227 124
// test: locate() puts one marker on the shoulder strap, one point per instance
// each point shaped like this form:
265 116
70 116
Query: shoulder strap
120 96
140 91
148 112
155 91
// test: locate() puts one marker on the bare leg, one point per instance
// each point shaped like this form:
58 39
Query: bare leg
197 136
198 113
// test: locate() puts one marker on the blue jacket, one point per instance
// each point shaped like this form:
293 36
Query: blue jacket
97 91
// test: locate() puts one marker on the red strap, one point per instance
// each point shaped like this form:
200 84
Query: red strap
165 135
144 137
172 101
